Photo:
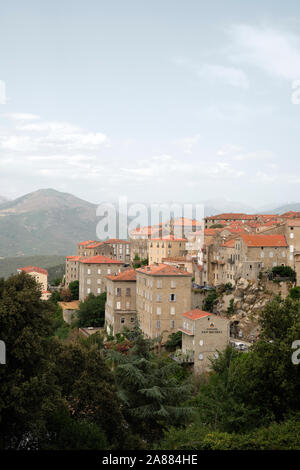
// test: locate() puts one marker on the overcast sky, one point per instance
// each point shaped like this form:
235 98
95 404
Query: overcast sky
157 100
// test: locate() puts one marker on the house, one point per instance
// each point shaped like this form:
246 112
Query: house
165 247
93 272
120 308
41 277
204 335
163 293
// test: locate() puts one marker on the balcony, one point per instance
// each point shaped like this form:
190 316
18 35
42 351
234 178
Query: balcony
183 358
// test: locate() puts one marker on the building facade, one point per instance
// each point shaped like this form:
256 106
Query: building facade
93 272
120 308
204 335
163 293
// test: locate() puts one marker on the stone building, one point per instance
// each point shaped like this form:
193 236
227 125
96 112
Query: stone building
72 269
163 293
41 277
203 336
165 247
120 308
93 272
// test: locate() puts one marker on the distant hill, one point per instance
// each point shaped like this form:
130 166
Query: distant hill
54 265
294 206
2 200
45 222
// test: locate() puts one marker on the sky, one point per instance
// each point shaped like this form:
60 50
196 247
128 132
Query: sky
161 100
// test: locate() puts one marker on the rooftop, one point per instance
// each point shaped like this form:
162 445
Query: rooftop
33 269
128 275
162 270
99 259
264 240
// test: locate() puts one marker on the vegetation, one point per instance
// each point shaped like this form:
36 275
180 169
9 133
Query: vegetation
210 301
230 309
74 289
174 341
122 393
282 272
92 311
138 262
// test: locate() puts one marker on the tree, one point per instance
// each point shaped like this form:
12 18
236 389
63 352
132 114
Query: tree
210 301
295 293
66 295
28 388
151 393
74 288
174 341
92 311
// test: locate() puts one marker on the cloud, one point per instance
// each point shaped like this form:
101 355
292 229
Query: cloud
273 51
187 143
22 116
225 74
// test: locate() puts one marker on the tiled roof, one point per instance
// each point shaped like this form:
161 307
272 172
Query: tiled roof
74 258
99 259
116 241
229 243
34 269
294 223
128 275
232 216
87 242
196 313
264 240
162 270
94 245
170 238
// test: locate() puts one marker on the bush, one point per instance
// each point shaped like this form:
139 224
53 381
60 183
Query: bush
210 300
92 311
284 272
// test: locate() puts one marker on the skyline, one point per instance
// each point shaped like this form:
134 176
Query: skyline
185 102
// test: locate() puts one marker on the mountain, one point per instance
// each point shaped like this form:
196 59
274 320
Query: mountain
2 200
45 222
294 206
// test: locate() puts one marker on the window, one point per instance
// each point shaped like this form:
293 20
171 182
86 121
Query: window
98 281
99 290
172 298
118 292
158 324
158 310
108 270
99 271
201 342
128 291
172 324
89 271
172 311
159 284
158 298
271 254
291 235
173 284
127 305
118 305
122 320
89 290
88 281
132 319
201 357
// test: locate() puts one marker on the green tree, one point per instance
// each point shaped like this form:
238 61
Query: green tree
92 311
210 301
74 288
151 393
28 389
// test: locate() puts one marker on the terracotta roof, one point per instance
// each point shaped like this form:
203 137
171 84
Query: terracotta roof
74 258
229 243
116 241
162 270
211 231
232 216
34 269
99 259
181 221
196 313
264 240
170 238
94 245
87 242
128 275
294 223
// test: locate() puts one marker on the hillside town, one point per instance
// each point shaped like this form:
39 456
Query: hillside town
162 275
